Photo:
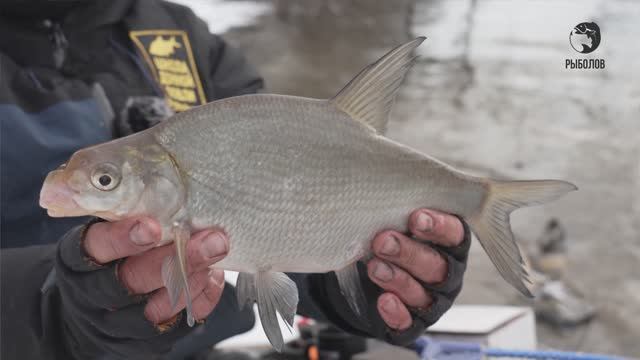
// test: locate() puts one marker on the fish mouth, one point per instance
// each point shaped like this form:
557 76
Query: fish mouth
57 197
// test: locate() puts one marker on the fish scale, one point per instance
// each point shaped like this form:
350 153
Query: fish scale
298 185
344 181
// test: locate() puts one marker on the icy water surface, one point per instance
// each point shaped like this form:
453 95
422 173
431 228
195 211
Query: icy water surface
494 95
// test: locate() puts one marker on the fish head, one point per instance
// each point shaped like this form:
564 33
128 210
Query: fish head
111 181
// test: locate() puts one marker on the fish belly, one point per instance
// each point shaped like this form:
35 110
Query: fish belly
300 186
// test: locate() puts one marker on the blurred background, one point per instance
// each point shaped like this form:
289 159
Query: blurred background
490 94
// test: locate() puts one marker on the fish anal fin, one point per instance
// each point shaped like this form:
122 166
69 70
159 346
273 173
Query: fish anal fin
369 96
276 293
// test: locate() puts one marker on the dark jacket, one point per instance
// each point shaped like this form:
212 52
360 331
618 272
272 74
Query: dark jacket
49 68
68 75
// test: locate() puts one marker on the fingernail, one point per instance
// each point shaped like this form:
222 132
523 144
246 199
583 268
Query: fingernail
217 276
390 247
424 222
141 234
152 312
382 271
390 306
214 245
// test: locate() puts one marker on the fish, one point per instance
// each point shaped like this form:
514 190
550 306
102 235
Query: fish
298 184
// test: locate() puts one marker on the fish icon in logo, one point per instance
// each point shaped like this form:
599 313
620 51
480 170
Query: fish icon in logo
585 37
162 47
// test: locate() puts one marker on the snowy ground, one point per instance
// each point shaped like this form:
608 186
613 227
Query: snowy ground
223 15
491 94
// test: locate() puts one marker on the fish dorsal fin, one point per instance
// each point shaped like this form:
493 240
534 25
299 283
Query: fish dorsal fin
369 96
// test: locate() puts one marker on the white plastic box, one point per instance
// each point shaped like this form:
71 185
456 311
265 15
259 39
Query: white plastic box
506 327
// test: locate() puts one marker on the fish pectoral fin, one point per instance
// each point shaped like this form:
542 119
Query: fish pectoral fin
174 271
369 96
276 293
246 290
351 287
171 279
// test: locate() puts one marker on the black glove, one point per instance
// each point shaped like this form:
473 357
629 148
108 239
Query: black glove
100 316
329 301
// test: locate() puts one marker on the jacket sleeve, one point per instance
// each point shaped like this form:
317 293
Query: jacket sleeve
31 327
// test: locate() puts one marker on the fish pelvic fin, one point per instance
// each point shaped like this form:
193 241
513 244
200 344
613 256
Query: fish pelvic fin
491 225
174 272
246 291
275 294
369 96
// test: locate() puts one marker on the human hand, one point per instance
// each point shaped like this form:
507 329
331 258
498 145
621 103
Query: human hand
109 276
419 276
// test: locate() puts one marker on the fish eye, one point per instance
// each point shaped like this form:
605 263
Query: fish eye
105 180
105 177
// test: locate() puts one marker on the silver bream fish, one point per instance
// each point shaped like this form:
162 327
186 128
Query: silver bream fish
298 185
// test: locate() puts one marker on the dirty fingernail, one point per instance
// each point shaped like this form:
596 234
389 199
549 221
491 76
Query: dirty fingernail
424 222
213 245
141 234
383 272
152 312
390 247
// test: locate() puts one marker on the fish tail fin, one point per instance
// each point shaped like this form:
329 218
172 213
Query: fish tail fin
493 230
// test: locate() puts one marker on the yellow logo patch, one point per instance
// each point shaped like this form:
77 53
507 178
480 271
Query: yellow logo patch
170 58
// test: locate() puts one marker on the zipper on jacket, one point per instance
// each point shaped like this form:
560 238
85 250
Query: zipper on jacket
59 41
